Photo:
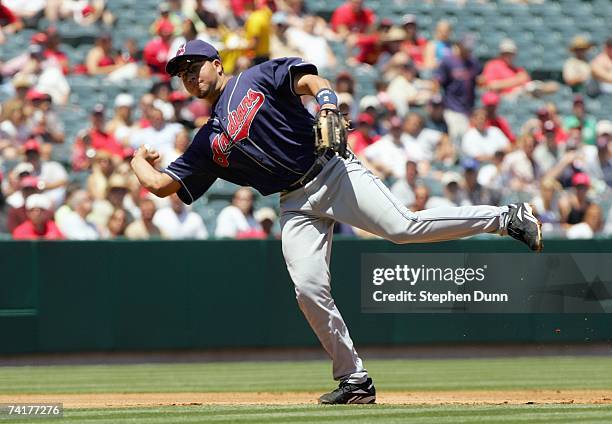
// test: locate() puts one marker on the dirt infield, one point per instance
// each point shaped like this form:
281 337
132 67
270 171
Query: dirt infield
124 400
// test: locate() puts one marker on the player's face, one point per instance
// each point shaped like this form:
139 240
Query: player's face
200 78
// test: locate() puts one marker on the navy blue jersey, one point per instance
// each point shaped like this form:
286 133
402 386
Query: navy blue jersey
259 134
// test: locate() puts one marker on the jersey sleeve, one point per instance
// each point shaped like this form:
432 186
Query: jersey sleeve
189 170
280 73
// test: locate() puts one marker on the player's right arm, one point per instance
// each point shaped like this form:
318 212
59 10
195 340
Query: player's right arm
156 182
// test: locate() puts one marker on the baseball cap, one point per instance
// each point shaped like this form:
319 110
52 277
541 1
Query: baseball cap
23 168
365 118
580 178
409 19
468 41
38 201
124 100
279 18
436 100
470 163
35 50
580 42
490 98
604 127
98 109
117 181
192 50
578 98
31 145
344 75
265 213
177 96
34 94
369 101
345 99
451 177
507 46
164 26
395 122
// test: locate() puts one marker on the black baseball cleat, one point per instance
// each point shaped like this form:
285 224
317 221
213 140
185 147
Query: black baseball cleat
524 226
350 393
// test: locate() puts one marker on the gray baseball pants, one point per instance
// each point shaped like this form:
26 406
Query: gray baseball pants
347 192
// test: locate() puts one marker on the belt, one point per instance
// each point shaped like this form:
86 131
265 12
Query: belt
312 172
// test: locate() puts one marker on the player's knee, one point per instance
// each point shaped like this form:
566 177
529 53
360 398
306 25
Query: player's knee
309 293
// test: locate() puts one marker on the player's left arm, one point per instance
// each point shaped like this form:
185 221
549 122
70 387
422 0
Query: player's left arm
312 85
157 182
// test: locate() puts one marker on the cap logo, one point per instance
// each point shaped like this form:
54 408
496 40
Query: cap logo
181 50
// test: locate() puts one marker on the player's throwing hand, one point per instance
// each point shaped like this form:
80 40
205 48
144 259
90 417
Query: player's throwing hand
147 153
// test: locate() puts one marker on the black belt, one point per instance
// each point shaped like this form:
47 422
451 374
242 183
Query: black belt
314 170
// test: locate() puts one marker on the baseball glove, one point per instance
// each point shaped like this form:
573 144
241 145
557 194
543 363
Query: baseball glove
330 128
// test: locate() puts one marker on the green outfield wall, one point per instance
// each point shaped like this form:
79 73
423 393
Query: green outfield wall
120 295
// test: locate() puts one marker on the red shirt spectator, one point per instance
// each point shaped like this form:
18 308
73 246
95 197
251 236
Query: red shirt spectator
155 53
414 45
359 139
38 225
369 48
353 16
501 74
94 138
490 101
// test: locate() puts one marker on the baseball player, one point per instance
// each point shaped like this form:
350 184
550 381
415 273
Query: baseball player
260 135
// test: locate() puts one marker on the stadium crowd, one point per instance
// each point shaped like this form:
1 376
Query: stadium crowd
431 128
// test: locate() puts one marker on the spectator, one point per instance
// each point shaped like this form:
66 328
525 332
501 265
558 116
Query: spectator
257 29
361 138
116 224
281 42
266 218
452 193
548 204
102 169
548 152
15 131
433 144
490 174
578 199
116 198
601 67
481 142
545 114
183 114
501 75
166 13
92 139
155 53
576 69
52 176
9 22
421 198
438 48
121 126
102 59
83 12
476 194
181 143
435 115
457 75
21 83
17 214
74 224
490 101
177 222
590 225
52 50
238 217
388 155
414 45
38 224
520 168
144 228
159 135
45 125
313 46
404 189
604 135
345 83
581 120
407 90
352 18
